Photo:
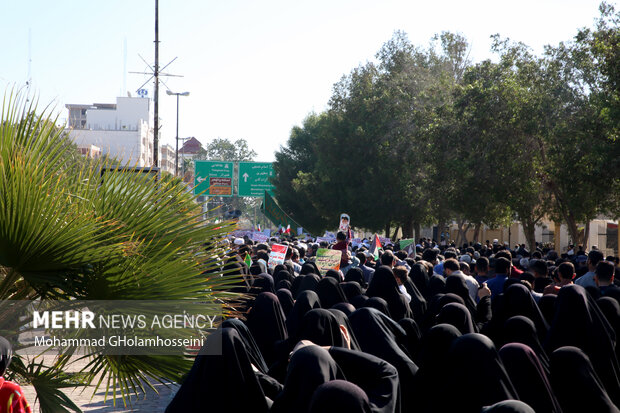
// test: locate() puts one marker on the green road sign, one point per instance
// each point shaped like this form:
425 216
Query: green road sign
254 178
214 177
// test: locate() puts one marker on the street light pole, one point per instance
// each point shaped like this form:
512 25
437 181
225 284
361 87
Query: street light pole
176 152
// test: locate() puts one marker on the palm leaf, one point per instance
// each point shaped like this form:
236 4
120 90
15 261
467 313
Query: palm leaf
75 228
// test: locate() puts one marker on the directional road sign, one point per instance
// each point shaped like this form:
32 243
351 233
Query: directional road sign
214 177
254 178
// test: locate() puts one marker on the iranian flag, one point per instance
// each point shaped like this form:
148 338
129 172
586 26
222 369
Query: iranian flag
288 229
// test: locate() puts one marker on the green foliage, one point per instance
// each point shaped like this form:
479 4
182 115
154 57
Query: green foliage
225 150
423 136
72 228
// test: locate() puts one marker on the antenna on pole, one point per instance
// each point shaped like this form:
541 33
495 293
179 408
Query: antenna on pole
156 97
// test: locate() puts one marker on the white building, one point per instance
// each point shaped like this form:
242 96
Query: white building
166 158
122 130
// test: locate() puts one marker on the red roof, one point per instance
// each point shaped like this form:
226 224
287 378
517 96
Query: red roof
191 146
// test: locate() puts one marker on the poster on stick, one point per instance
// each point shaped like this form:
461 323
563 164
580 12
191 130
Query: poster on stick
327 259
277 255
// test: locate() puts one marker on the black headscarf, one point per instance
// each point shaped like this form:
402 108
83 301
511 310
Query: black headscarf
381 336
519 301
309 367
376 377
306 301
520 329
254 354
434 348
473 360
611 310
529 378
351 289
338 396
322 328
383 284
308 282
284 284
579 322
456 284
356 274
379 304
359 301
576 384
333 274
434 307
223 375
418 302
266 322
286 300
263 283
414 335
343 320
283 274
346 308
277 269
546 303
330 293
436 285
309 268
419 276
458 315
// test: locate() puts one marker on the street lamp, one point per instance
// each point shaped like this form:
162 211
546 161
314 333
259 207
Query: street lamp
176 153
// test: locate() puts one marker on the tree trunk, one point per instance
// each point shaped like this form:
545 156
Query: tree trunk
529 228
407 229
440 228
387 230
477 229
418 231
393 237
573 230
586 235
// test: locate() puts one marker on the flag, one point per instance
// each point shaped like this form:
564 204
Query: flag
375 247
258 227
248 260
288 229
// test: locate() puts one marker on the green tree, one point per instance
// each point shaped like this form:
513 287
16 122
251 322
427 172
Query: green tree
226 150
293 167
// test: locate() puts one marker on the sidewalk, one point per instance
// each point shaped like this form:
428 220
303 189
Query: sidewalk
84 399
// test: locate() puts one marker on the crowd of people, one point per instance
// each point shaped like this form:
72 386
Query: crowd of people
434 328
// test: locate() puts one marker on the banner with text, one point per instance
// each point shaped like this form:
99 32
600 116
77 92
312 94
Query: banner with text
277 255
327 259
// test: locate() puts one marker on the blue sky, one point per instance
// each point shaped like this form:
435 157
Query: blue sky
254 69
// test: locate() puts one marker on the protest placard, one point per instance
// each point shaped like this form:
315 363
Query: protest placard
329 240
259 236
327 259
277 255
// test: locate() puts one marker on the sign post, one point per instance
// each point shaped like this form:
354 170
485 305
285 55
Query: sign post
214 178
254 178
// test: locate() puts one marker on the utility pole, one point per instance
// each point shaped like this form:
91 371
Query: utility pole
156 97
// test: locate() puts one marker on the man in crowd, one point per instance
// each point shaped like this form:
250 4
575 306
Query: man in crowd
502 272
587 280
